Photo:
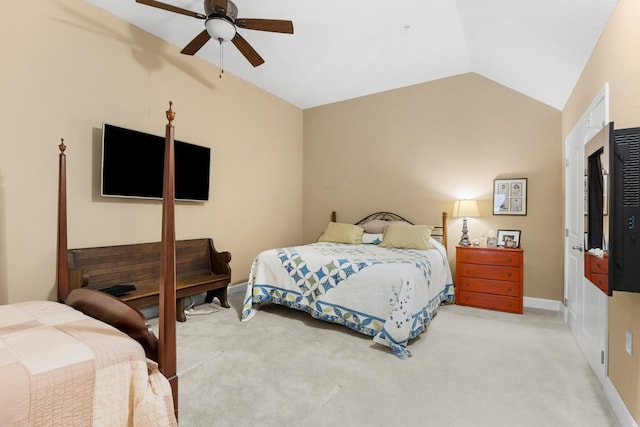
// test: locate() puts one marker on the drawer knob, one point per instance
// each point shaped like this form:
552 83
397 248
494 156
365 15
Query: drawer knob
509 259
467 256
509 274
466 298
466 270
509 288
509 303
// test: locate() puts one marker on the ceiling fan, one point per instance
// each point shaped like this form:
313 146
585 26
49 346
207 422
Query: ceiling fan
221 23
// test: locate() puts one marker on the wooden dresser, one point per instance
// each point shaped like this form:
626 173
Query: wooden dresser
489 278
596 269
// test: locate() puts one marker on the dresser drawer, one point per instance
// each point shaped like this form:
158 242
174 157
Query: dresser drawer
493 272
491 302
599 265
498 287
493 257
601 281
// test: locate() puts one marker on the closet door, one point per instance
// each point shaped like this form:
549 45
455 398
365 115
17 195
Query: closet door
585 305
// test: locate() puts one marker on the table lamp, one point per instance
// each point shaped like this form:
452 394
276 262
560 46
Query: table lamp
465 209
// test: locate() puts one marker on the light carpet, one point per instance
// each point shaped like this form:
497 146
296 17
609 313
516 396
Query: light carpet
471 368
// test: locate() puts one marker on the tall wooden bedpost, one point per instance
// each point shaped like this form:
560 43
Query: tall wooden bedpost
62 267
167 307
444 228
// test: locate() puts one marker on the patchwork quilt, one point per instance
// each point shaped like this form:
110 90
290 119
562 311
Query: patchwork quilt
60 367
389 294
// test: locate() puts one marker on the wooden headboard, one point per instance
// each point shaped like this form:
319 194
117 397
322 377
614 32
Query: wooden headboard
439 231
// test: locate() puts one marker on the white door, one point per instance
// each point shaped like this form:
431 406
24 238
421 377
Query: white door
574 225
585 304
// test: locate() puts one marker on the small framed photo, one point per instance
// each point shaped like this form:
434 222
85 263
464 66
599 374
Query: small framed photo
509 238
510 196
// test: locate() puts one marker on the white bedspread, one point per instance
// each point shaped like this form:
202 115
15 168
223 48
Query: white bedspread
389 294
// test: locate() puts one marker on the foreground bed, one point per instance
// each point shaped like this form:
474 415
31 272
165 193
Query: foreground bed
60 367
389 293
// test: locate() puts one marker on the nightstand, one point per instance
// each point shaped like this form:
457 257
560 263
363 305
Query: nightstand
489 278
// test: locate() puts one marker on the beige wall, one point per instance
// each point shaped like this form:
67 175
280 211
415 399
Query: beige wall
68 66
415 150
616 60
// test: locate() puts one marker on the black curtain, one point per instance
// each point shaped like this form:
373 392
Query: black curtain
595 208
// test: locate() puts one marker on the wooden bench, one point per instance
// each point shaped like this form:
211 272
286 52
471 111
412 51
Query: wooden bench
199 268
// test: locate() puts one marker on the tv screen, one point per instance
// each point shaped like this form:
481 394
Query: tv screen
133 166
624 250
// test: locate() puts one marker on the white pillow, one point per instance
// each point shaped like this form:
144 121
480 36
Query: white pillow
434 244
371 238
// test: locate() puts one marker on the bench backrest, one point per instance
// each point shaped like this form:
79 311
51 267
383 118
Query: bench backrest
116 265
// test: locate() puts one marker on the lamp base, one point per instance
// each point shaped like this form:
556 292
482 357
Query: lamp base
464 241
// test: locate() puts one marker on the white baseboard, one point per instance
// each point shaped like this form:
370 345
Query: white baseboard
236 289
544 304
617 404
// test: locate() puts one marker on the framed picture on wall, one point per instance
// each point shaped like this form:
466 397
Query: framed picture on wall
510 196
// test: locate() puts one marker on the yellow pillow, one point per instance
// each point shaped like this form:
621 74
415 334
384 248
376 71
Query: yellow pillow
406 236
338 232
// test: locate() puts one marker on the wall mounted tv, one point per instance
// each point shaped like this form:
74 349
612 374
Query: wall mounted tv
624 249
133 166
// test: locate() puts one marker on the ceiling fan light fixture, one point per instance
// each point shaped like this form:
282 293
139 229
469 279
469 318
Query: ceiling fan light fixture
220 29
220 24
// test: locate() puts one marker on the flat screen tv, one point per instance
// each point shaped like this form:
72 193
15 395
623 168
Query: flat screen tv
133 166
624 250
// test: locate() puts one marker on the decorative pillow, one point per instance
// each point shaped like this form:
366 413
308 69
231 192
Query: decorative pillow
338 232
376 226
406 236
371 238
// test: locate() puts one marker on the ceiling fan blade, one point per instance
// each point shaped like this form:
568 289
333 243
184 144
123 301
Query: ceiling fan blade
195 44
245 48
171 8
220 6
273 25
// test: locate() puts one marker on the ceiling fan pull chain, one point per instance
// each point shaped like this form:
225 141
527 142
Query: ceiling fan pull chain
221 57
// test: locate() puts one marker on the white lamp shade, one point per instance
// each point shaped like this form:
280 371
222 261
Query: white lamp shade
220 29
465 209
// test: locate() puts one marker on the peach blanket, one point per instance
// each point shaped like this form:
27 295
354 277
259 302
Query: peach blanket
61 367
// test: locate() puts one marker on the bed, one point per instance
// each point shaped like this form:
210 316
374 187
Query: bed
90 359
383 277
60 367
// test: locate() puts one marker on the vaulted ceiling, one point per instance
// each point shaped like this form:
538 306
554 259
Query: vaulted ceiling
351 48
